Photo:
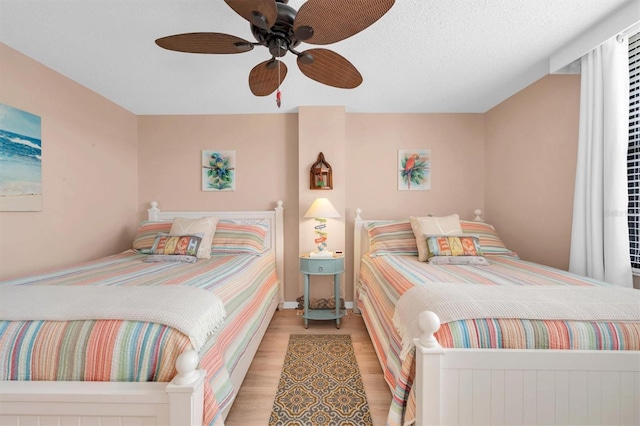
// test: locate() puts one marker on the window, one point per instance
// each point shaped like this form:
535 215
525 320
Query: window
633 155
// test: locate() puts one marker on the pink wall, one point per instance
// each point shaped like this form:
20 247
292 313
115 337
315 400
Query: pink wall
89 171
531 143
102 166
457 151
321 129
170 148
266 146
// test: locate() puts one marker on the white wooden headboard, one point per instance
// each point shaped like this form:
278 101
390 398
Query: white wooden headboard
275 235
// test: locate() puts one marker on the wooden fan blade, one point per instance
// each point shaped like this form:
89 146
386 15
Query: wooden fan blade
333 20
216 43
263 78
329 68
261 13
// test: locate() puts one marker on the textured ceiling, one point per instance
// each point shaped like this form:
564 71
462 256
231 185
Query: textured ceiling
422 56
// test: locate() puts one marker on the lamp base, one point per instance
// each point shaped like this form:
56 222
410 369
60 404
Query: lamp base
323 254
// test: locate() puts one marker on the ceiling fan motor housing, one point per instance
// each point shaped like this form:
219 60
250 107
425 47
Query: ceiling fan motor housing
280 38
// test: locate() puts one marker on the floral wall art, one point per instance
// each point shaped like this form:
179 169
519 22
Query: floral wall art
20 160
414 170
218 170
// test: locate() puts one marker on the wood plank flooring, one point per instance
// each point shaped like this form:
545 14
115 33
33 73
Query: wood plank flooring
253 403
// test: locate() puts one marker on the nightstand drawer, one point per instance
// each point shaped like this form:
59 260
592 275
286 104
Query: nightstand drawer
322 266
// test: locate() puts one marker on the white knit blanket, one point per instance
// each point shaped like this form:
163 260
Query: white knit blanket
195 312
454 301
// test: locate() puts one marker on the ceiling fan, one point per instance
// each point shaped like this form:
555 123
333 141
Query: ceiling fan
280 28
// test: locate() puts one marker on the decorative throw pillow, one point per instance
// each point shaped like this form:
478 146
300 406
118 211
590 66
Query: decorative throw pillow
441 245
393 238
205 226
432 225
177 245
147 233
239 237
490 242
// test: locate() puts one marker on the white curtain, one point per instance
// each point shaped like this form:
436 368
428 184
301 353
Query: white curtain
600 234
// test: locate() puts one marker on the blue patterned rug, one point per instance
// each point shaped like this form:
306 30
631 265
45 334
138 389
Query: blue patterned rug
320 384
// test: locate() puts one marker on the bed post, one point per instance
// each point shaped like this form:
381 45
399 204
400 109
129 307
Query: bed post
357 242
428 358
279 250
186 392
152 213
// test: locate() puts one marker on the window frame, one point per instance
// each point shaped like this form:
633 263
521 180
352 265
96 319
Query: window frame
633 153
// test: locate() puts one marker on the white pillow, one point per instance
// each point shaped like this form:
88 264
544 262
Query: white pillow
431 225
204 225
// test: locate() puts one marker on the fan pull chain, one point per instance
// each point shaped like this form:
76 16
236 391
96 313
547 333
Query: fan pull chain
278 93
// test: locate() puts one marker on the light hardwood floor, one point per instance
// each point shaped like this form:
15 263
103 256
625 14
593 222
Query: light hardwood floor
252 406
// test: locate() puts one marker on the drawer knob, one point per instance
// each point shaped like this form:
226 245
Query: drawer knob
320 268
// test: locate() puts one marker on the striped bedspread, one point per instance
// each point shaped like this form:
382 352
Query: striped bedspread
109 350
383 279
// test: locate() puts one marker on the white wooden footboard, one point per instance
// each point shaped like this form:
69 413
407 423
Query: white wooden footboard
177 403
523 387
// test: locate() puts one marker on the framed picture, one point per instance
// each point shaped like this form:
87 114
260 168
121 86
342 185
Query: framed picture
20 161
218 170
414 170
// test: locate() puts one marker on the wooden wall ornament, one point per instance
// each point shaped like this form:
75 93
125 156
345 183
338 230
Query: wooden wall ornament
321 175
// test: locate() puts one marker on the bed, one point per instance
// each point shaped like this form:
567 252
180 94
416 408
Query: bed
485 370
89 368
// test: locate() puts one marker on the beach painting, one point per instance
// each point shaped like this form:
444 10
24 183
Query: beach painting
20 161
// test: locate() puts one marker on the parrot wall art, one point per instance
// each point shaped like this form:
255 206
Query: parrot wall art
414 170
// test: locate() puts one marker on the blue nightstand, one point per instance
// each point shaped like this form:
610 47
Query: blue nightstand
322 266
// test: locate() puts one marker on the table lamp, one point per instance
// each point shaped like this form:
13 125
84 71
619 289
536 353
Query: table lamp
320 210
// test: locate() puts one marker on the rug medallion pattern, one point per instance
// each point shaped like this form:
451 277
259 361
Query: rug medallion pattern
320 384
